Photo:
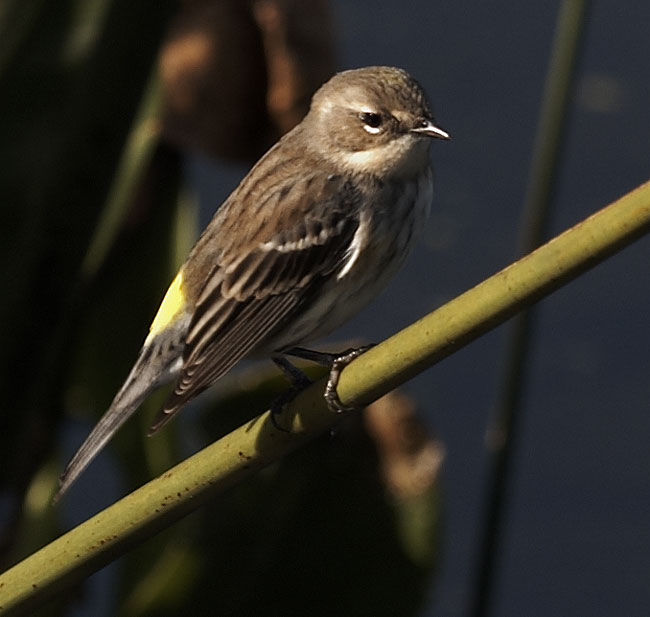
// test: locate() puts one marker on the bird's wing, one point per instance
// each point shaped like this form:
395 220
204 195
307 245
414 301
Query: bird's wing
255 291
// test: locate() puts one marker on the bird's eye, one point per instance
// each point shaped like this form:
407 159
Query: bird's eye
371 120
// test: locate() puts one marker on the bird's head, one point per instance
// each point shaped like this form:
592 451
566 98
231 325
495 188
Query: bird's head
373 120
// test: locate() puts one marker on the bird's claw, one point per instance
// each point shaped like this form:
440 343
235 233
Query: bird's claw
338 364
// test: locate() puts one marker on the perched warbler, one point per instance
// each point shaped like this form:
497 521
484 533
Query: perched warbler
312 233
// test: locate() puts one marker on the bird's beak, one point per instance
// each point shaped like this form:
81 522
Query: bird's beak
427 127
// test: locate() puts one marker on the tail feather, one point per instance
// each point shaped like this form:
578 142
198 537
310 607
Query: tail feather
158 363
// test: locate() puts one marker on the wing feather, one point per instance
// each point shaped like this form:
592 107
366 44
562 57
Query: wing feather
247 297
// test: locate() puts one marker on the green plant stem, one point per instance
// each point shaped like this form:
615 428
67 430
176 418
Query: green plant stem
501 436
229 460
136 157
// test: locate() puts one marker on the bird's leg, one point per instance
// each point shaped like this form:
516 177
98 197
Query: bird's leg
336 362
319 357
293 374
298 380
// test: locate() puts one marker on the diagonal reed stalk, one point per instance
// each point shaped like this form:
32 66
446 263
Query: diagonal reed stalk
97 541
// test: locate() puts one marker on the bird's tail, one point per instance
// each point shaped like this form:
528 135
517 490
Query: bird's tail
159 363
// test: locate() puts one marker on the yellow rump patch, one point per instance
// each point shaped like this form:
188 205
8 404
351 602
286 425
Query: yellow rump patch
171 306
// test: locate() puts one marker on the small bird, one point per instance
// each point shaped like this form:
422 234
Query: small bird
312 233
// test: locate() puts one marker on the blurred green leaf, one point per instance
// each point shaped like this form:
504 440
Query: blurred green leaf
73 74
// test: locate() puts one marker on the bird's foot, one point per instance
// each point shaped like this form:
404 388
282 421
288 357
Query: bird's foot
298 380
337 362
